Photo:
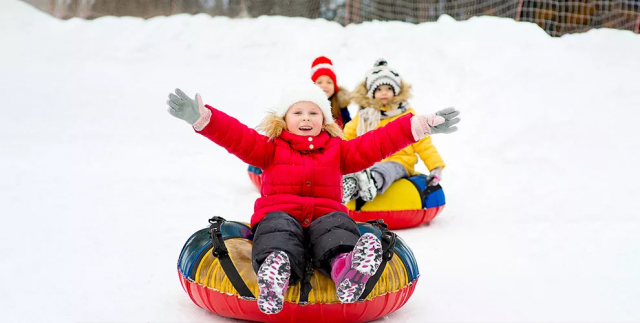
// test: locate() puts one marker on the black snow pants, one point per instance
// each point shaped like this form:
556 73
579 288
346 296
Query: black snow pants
327 237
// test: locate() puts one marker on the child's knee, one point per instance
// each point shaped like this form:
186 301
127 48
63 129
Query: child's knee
332 221
279 231
330 235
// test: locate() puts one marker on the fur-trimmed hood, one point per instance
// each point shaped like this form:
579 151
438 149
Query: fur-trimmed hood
272 127
343 97
359 96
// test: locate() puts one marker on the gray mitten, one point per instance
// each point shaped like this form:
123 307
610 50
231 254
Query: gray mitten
183 107
449 115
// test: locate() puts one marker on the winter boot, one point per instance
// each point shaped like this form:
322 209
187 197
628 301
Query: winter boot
273 281
351 271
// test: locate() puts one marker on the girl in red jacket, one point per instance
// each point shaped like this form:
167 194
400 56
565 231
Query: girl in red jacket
324 76
303 159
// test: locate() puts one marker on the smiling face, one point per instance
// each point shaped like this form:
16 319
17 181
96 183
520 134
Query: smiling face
383 93
326 84
304 119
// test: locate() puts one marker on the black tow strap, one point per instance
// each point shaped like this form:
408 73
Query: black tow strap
428 191
220 251
359 204
305 285
388 244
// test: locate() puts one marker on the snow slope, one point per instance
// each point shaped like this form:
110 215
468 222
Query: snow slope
100 186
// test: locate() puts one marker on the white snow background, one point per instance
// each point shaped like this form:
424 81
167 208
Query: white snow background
100 186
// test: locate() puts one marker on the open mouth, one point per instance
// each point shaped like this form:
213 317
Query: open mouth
305 128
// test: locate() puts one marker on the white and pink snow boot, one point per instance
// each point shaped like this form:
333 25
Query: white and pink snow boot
273 281
351 271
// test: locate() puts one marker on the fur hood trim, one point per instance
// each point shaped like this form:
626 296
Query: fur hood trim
272 127
343 97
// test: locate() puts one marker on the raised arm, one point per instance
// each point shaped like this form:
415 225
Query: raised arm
238 139
376 145
364 151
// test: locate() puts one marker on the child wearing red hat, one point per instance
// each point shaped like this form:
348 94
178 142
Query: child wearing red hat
323 75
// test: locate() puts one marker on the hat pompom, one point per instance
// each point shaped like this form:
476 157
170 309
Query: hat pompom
380 62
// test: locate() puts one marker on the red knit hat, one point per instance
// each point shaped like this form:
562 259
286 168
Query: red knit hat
323 66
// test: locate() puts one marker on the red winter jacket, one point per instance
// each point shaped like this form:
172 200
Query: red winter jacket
302 175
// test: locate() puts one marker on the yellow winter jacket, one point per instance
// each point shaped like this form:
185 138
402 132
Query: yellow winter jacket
407 156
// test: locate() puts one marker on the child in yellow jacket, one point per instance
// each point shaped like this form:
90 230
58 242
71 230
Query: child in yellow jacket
382 98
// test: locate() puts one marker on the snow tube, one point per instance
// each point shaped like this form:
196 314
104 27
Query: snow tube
255 175
213 259
409 202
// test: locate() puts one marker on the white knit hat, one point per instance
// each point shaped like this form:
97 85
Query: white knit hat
381 74
305 92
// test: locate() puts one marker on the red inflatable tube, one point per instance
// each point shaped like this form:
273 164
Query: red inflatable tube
255 175
236 307
256 180
398 219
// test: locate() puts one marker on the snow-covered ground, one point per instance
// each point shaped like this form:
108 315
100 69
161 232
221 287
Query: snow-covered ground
100 186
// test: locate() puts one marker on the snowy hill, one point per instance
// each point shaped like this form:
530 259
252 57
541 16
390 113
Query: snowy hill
100 186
